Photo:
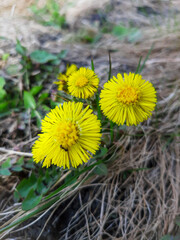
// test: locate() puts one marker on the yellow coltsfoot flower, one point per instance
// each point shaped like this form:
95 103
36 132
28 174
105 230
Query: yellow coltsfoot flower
63 78
83 83
69 136
130 100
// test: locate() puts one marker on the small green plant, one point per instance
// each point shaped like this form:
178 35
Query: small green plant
49 15
131 33
8 168
37 68
88 36
31 190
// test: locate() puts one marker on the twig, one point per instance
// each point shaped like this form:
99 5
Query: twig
11 152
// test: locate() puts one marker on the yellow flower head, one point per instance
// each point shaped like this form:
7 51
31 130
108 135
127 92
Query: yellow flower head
69 135
63 78
83 83
129 100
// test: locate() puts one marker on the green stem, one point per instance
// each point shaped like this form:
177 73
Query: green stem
112 131
71 179
139 64
147 56
31 214
98 107
111 123
109 75
97 95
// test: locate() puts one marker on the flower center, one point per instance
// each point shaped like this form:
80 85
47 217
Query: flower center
67 134
81 81
127 95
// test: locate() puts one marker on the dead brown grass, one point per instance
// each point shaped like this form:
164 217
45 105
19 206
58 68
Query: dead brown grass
143 204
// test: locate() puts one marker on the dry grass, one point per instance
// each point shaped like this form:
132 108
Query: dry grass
143 204
71 8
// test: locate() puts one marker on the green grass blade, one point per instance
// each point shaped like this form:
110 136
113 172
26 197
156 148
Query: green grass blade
110 69
139 64
71 179
112 131
92 64
146 58
33 213
98 107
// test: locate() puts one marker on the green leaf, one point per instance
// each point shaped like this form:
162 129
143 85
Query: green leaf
56 62
29 101
43 97
17 168
120 31
31 200
12 69
20 49
3 106
5 56
102 153
26 185
48 68
16 196
20 161
54 104
62 54
38 117
2 82
40 56
2 93
6 164
167 237
47 176
41 188
5 172
133 34
101 169
35 90
45 108
30 164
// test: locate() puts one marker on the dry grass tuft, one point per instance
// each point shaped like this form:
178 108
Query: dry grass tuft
142 204
139 204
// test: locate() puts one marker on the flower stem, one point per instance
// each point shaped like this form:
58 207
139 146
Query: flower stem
111 123
112 131
98 107
109 75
